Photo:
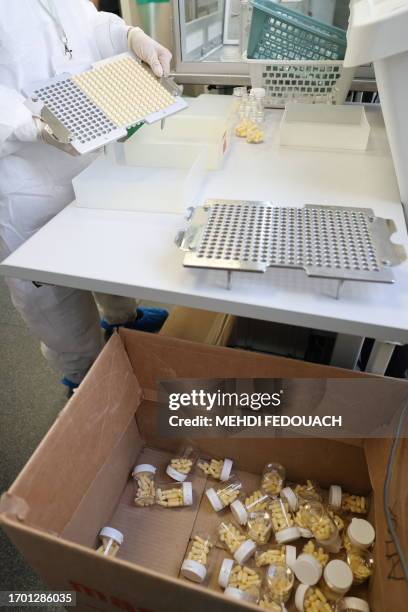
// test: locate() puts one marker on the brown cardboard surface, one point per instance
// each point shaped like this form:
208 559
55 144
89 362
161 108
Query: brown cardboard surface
198 326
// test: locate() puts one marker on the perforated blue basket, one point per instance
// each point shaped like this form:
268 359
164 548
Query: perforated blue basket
279 33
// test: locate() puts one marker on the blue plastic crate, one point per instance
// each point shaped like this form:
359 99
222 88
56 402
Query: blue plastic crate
282 34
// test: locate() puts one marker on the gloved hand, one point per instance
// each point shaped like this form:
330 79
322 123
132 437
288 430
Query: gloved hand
38 130
150 52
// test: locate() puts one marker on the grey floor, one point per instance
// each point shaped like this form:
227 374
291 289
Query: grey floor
30 399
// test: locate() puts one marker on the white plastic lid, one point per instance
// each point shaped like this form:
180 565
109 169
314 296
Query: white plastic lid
361 533
239 512
258 92
175 474
335 494
354 603
194 571
144 467
188 493
338 576
290 555
288 495
113 534
305 533
287 535
226 469
245 551
214 500
225 572
307 569
238 594
300 596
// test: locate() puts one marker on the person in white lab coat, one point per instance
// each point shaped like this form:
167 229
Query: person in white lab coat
40 39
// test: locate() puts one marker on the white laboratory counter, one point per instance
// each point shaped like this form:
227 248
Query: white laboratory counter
133 254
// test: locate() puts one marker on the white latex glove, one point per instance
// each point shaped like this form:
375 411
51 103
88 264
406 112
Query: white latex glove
150 52
37 130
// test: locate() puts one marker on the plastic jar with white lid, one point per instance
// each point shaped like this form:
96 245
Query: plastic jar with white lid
197 560
259 527
145 490
219 469
182 464
361 562
336 581
283 525
311 599
233 539
300 493
273 555
266 603
346 502
111 540
255 502
273 478
224 493
310 563
352 604
279 581
240 577
360 534
322 526
174 494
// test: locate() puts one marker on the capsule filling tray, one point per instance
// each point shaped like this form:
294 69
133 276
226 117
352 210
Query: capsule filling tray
336 242
97 106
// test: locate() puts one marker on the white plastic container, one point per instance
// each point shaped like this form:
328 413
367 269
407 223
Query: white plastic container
274 555
233 539
197 560
234 576
158 178
145 490
282 522
174 494
347 502
182 463
219 469
324 126
360 534
257 501
307 569
111 541
306 596
336 581
225 493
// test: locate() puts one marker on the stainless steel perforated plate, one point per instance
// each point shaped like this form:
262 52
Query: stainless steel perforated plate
326 241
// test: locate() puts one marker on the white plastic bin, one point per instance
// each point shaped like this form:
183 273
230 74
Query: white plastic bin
324 126
143 177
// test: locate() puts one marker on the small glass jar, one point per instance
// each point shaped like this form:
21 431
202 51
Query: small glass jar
256 114
352 604
310 599
259 527
283 525
225 493
273 478
233 539
145 490
276 555
196 562
361 563
234 576
300 494
322 526
310 563
346 502
111 540
279 582
174 494
360 534
266 603
336 581
257 501
219 469
182 464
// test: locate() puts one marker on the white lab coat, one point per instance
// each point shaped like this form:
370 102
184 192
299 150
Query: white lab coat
36 179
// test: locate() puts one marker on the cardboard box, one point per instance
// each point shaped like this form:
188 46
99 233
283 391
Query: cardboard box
199 326
78 481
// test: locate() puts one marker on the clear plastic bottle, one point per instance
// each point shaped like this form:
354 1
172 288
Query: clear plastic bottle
346 502
225 493
174 494
219 469
311 599
259 527
145 490
255 502
279 582
197 560
336 581
299 494
235 577
323 527
111 541
182 464
360 534
256 128
283 525
266 603
233 539
310 563
275 555
361 563
352 604
273 478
